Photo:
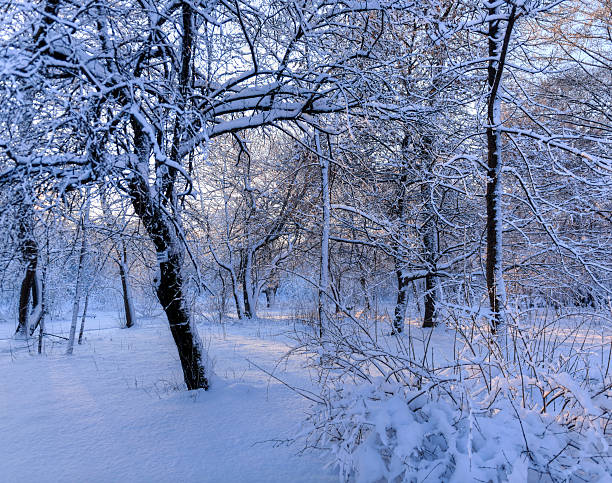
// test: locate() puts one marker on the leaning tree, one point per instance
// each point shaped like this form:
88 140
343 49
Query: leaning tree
132 94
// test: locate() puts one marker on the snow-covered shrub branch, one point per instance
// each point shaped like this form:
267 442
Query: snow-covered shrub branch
484 408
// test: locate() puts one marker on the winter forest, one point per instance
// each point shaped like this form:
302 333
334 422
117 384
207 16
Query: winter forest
306 240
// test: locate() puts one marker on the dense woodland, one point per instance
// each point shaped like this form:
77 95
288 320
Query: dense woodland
357 165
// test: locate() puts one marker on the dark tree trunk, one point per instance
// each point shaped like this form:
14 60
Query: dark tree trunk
29 284
164 231
402 299
127 303
245 281
494 272
366 294
493 233
238 305
248 310
83 317
430 301
24 298
335 288
41 331
322 297
171 294
430 246
400 256
127 293
170 290
270 292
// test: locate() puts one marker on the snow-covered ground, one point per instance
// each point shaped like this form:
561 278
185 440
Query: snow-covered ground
459 404
116 410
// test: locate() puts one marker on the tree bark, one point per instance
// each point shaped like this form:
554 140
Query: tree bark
402 298
402 281
170 290
172 297
247 284
79 277
270 292
430 247
83 318
75 304
128 301
494 270
237 302
325 228
430 301
29 253
163 228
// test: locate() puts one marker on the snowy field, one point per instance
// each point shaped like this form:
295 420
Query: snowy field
117 409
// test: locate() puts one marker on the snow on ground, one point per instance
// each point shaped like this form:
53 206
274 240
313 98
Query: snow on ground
116 410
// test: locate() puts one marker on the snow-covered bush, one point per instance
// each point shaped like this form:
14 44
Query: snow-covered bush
387 432
492 409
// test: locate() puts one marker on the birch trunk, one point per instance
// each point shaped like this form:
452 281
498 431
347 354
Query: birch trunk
79 278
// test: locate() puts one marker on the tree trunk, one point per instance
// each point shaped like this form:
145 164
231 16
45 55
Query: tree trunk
79 278
163 227
430 247
402 281
24 300
41 331
335 287
402 298
43 309
247 284
171 294
83 317
430 301
237 302
494 270
325 228
128 301
170 290
29 284
270 292
366 294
